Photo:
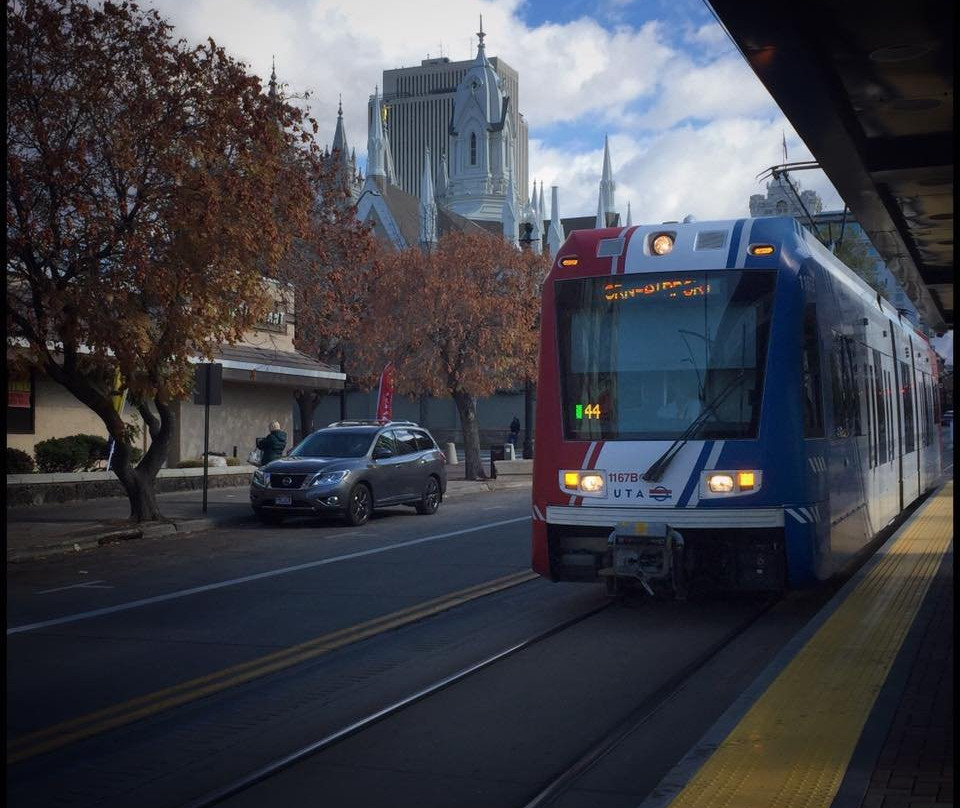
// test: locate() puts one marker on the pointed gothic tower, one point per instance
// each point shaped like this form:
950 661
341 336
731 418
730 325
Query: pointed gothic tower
443 180
428 207
555 231
344 161
481 142
536 220
541 208
272 92
607 185
509 215
376 147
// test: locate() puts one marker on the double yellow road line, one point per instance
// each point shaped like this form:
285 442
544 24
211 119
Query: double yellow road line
118 715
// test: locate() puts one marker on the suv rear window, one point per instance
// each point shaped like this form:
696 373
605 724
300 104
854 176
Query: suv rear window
406 441
424 441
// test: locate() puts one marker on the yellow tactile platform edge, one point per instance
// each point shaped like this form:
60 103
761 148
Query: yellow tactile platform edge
792 748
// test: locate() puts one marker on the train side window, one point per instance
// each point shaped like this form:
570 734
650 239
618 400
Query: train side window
906 408
812 396
881 409
854 381
891 421
927 411
921 410
846 403
871 418
836 384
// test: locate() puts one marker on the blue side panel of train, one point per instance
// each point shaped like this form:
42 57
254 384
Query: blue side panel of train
851 429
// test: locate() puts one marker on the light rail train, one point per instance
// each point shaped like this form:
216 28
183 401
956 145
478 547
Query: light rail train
723 400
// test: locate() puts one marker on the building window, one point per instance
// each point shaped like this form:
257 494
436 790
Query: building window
21 402
473 148
781 206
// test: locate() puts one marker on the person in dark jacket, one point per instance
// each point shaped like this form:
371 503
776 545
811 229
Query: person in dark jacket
514 430
272 445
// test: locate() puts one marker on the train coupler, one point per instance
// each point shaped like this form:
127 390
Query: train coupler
648 552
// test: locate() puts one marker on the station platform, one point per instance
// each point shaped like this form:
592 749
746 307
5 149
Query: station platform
857 710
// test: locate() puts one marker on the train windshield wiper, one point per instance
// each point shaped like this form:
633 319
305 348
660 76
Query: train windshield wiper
656 471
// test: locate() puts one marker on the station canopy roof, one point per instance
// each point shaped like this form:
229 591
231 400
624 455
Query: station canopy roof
868 85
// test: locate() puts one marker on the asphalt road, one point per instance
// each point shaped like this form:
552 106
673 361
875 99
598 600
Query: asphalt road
153 672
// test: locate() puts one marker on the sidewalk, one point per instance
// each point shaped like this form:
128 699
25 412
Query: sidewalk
38 531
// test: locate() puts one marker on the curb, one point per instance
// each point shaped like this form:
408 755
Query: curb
95 539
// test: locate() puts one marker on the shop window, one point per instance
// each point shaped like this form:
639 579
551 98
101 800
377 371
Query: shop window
21 403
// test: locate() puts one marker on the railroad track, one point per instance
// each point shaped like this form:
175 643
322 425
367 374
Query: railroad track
567 774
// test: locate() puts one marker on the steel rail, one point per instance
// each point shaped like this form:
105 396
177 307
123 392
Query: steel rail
640 714
275 767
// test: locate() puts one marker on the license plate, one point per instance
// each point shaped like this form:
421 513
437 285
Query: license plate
283 501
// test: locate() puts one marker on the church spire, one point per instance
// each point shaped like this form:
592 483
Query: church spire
428 207
443 178
607 185
340 136
272 94
555 231
376 153
510 219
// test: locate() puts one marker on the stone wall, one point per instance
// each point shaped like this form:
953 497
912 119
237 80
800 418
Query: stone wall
39 489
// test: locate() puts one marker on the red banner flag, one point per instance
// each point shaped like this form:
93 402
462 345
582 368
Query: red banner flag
385 397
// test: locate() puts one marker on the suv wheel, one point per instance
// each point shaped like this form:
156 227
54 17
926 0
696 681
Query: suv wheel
430 499
359 505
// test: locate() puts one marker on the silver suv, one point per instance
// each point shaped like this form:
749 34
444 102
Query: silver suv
352 467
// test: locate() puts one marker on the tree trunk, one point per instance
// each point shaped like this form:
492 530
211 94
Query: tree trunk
139 483
467 409
141 491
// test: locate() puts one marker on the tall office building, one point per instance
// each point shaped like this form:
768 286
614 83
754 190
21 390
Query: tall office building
420 104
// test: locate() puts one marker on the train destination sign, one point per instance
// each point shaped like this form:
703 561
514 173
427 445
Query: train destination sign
678 288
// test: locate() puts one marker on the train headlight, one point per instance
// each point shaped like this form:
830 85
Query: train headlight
730 483
720 483
584 483
661 244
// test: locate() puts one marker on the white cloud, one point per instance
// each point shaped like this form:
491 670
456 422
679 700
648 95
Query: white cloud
720 89
689 130
708 171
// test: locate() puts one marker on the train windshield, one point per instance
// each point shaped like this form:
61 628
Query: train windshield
642 356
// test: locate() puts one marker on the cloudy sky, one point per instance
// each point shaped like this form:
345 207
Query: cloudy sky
690 127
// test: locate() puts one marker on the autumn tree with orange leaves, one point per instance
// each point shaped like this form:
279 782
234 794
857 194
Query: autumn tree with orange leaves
150 185
459 321
332 268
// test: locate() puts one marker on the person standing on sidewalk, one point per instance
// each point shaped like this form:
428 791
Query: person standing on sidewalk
272 445
514 431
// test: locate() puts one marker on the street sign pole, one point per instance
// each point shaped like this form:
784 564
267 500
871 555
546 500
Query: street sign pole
206 434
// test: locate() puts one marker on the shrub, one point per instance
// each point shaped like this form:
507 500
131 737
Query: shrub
18 462
194 463
234 461
75 453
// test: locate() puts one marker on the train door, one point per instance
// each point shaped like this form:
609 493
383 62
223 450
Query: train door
849 523
886 482
904 391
